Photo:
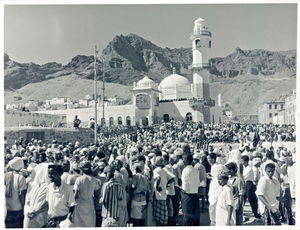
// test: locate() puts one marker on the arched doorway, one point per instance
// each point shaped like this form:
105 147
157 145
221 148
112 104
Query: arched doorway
128 121
119 120
189 117
111 121
166 118
145 121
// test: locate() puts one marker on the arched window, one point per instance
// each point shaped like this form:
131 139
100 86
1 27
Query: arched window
111 121
128 121
188 117
119 120
209 44
166 118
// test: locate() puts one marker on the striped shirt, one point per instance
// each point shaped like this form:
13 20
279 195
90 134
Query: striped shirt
112 195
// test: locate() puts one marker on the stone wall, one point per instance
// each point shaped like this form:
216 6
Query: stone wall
14 118
83 135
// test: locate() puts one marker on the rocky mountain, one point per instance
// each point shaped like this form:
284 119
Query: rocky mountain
126 58
254 62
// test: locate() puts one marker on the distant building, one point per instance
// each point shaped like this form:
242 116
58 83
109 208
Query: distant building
267 111
84 102
57 101
290 109
32 105
17 98
12 106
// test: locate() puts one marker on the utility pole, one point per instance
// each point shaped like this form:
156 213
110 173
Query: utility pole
95 94
103 89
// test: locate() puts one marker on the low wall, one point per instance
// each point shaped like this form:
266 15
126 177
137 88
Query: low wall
83 135
14 118
84 114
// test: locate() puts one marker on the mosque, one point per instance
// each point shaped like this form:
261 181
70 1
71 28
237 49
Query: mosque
173 98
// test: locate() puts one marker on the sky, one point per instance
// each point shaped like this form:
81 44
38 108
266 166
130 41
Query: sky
57 33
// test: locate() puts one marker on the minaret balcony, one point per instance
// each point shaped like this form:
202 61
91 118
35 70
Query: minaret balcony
199 66
200 33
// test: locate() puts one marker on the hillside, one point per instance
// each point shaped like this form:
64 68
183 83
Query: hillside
66 86
244 94
126 58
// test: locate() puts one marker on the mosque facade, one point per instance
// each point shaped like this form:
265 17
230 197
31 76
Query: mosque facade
175 97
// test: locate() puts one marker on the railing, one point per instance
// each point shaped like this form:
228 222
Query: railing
201 32
202 65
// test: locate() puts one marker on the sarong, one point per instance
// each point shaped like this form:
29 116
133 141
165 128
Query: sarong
190 208
160 211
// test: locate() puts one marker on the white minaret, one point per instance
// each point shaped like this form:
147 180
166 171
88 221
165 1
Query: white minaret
201 39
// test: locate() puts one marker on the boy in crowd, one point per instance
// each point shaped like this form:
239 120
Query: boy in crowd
268 192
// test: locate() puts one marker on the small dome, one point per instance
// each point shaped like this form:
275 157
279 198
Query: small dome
173 80
146 82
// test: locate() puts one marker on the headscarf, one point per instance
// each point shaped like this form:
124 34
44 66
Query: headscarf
37 195
16 164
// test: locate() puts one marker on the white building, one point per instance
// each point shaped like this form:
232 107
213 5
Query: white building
175 97
290 109
267 111
279 112
57 101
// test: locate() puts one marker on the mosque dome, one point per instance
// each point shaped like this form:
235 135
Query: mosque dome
146 82
174 86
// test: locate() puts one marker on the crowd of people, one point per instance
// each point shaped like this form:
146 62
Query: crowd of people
164 175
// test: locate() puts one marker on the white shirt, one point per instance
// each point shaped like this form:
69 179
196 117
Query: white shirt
13 203
256 173
190 180
202 174
214 187
292 179
234 156
270 189
248 174
59 199
225 200
164 177
171 187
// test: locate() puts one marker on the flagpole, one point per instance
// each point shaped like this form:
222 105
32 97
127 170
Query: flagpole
95 94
